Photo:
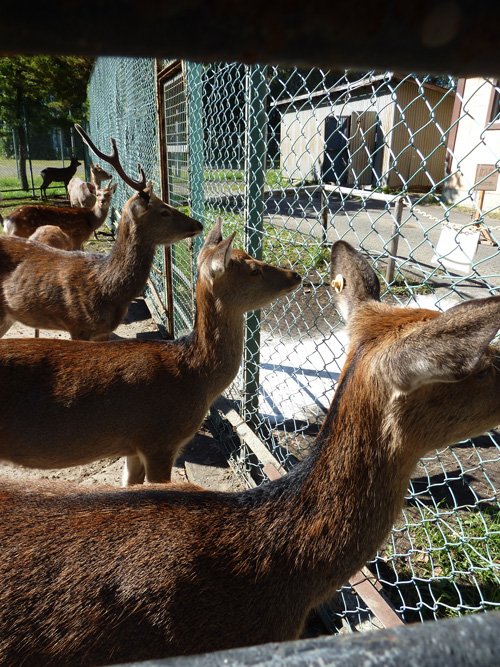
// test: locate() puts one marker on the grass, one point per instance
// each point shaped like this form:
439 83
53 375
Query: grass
404 286
453 562
281 247
9 179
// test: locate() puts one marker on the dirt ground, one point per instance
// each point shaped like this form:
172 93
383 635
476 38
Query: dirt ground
203 461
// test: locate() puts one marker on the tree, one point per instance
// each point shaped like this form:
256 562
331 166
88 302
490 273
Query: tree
43 90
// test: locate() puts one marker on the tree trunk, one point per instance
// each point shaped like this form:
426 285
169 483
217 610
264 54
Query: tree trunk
21 135
23 156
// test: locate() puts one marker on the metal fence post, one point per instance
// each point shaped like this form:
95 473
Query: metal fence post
255 172
194 97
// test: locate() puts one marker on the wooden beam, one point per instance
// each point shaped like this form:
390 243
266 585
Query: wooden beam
456 37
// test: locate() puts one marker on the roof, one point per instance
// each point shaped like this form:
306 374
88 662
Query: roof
355 85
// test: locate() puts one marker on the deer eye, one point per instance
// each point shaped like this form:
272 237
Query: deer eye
254 270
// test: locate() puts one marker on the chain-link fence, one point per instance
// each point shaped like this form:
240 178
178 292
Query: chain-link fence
403 167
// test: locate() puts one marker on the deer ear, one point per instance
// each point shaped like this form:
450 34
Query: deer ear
112 187
352 278
214 236
446 348
218 260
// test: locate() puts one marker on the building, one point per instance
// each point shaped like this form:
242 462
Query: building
474 144
379 131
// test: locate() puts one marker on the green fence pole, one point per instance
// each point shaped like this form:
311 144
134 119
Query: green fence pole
194 96
255 172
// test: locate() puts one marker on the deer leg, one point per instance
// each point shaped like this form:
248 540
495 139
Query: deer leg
159 467
133 471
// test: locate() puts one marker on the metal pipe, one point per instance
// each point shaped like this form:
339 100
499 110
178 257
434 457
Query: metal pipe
469 641
255 173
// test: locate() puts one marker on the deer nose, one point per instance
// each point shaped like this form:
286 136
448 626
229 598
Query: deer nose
296 276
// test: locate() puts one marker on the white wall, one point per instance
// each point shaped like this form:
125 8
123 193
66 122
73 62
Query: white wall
474 145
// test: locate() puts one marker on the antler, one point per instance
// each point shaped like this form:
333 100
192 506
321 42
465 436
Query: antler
113 160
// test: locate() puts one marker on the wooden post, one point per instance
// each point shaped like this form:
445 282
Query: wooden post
393 250
486 179
324 216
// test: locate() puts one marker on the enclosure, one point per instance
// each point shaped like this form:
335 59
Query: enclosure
293 159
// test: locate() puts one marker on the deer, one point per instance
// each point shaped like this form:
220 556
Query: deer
88 294
58 175
100 575
165 388
83 193
52 236
77 223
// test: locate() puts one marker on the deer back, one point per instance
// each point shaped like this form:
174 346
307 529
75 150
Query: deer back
92 576
52 236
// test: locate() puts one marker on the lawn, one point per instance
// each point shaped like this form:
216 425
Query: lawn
10 183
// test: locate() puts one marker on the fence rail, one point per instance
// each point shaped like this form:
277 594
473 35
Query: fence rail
294 159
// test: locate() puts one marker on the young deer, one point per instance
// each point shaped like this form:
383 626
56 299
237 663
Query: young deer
58 175
147 399
84 293
83 193
77 223
97 576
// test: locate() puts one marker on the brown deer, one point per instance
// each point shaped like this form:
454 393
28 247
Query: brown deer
52 236
87 294
77 223
83 193
58 175
147 399
99 575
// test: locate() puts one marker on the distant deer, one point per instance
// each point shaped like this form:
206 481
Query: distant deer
88 294
83 193
77 223
147 399
58 175
97 576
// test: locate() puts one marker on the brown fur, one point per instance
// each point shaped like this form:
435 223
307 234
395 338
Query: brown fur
87 294
82 193
146 399
52 236
77 223
98 576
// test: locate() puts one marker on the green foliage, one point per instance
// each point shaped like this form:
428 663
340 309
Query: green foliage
45 87
40 92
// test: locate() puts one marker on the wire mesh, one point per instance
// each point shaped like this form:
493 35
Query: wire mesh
295 159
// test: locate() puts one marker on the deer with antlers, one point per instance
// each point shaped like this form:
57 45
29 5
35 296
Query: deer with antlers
147 399
98 575
87 294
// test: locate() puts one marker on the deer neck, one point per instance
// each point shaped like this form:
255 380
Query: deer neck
128 264
336 507
100 214
216 344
